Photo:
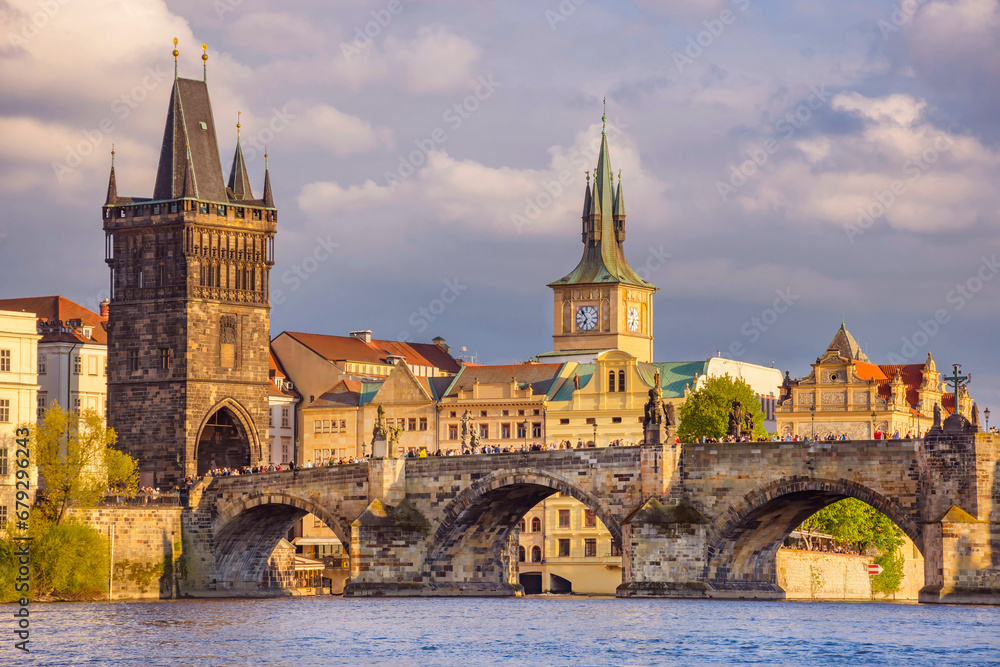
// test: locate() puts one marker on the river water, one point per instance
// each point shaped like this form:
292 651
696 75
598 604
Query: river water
526 631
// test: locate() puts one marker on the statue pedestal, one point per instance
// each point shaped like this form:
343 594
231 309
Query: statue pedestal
380 449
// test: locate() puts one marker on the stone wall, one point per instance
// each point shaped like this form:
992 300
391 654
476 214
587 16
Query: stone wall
812 575
147 551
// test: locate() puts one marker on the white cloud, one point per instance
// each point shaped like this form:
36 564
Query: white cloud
437 60
901 166
327 128
502 199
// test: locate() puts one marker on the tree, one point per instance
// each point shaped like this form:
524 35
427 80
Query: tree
705 413
77 463
858 525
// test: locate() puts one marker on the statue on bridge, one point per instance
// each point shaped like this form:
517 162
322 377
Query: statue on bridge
736 423
383 437
467 432
659 423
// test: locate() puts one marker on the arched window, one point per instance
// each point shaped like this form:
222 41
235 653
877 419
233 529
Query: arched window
611 381
520 525
536 525
520 554
621 380
536 554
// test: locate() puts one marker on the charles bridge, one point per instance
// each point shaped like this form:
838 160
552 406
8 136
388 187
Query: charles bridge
692 520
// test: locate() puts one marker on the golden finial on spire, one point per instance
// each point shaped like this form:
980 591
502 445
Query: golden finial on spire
238 114
204 62
265 158
112 156
176 53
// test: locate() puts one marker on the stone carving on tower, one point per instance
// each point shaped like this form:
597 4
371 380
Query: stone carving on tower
189 317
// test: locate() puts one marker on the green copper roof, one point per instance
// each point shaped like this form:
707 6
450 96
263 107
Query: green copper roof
603 231
674 375
585 373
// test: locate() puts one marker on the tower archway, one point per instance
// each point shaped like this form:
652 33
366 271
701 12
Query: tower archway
226 438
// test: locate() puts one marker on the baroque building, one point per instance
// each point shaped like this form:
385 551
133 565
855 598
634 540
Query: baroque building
18 388
188 323
847 394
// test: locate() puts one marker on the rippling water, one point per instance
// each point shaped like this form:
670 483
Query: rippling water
527 631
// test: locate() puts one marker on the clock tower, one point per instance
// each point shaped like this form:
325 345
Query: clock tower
603 304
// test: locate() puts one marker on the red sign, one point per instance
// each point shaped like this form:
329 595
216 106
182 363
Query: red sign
874 568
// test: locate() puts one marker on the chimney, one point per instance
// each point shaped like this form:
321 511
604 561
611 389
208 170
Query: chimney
440 343
365 335
104 309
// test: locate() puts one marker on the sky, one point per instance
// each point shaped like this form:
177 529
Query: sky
787 165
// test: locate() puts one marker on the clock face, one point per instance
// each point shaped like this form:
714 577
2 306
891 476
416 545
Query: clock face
633 319
586 318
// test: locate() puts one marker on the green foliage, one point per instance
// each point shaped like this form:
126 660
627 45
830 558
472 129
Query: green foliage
857 524
891 579
69 561
705 413
77 463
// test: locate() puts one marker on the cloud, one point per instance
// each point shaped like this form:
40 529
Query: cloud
900 167
954 44
437 60
324 127
499 199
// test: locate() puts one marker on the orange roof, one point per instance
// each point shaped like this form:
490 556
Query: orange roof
349 348
275 371
913 377
867 371
53 308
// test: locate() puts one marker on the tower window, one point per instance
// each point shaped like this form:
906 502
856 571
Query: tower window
173 207
164 358
621 380
221 210
611 381
133 360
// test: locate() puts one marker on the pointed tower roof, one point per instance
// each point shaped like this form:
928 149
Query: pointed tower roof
587 198
190 148
603 255
268 198
619 207
239 182
844 344
112 183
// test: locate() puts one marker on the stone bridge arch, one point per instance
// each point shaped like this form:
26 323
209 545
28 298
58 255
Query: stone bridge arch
248 529
470 542
744 540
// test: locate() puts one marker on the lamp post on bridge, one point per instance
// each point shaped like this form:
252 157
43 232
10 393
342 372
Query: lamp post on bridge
595 431
525 424
986 413
874 417
812 418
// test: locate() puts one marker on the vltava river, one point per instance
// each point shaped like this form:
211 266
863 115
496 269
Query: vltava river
528 631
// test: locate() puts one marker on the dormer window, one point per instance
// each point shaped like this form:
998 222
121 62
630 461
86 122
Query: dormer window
88 332
203 125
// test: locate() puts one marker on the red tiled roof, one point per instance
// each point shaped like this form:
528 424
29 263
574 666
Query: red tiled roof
276 371
349 348
52 308
867 371
913 376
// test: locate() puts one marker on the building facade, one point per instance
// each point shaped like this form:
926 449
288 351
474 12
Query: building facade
189 313
72 353
283 401
846 394
18 395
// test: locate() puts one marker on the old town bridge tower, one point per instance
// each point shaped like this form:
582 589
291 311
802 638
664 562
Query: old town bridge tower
189 318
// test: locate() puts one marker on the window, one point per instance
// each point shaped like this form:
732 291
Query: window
3 461
536 412
164 358
616 420
411 424
536 552
77 365
563 548
484 431
3 516
621 380
590 548
482 413
326 426
591 421
284 417
505 431
564 421
520 413
520 431
520 525
284 453
611 381
317 522
343 426
536 525
41 406
76 405
317 426
4 410
41 364
104 366
270 417
423 423
453 432
453 414
615 549
536 430
505 413
564 518
589 519
133 360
